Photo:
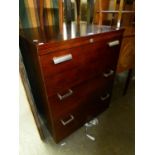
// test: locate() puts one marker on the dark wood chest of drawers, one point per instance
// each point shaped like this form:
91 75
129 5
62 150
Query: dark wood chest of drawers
71 73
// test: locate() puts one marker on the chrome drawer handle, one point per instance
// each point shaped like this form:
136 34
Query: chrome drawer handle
61 97
111 72
113 43
61 59
105 97
68 121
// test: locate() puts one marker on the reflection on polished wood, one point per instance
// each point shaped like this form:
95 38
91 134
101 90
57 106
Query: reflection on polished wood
70 31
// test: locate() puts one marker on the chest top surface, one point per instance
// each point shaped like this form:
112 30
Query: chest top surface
52 34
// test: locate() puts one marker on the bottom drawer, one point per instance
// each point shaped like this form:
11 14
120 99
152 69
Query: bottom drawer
71 121
68 123
80 95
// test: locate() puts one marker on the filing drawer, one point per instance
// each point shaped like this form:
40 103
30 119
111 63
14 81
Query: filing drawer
97 104
74 58
68 122
79 95
111 52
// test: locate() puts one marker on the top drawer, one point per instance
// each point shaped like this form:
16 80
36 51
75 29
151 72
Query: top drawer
61 61
64 60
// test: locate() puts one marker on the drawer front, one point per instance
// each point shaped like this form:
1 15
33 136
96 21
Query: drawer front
68 123
73 97
74 58
111 54
98 104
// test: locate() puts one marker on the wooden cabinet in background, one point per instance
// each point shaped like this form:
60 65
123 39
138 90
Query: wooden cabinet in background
121 14
127 52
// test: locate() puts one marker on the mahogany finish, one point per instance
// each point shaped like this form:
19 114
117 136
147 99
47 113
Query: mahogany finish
81 93
71 73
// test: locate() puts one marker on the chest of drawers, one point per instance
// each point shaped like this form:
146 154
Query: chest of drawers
71 73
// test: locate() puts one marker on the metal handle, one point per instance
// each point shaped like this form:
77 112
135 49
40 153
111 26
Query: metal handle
68 121
61 97
61 59
111 72
105 97
113 43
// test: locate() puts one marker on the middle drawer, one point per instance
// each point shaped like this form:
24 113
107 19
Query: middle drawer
82 94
